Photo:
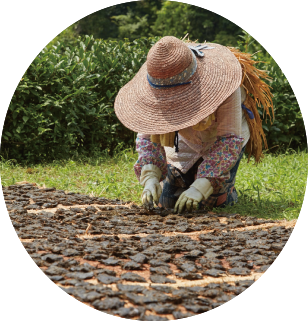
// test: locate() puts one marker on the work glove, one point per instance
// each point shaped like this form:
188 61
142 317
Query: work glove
200 190
149 178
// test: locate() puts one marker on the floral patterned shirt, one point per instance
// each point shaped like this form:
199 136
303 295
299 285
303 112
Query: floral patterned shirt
150 153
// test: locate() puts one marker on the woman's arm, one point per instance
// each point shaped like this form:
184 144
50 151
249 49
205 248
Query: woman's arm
221 157
224 153
150 153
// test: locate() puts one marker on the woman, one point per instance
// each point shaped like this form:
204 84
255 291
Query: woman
186 105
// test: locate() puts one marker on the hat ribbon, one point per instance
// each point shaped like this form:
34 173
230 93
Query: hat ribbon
166 86
184 75
196 49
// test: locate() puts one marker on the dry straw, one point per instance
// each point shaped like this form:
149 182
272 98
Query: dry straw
258 95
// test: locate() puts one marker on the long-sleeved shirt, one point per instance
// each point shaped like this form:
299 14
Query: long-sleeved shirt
219 145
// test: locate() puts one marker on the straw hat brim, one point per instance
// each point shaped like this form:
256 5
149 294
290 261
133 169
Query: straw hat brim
148 110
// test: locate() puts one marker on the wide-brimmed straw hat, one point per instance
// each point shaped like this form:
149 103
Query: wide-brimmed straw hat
179 85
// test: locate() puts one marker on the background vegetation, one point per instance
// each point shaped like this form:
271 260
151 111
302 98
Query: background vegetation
63 105
150 18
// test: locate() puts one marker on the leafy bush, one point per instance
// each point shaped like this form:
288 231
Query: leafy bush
288 129
69 36
64 103
63 106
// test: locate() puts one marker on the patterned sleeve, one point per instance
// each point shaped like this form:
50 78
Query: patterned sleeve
220 158
150 153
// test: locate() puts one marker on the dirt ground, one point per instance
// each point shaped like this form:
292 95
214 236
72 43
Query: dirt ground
120 259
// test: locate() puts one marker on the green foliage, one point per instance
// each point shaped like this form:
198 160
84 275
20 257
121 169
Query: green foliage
147 18
63 106
288 128
206 25
138 20
131 26
64 103
172 19
69 36
127 20
100 25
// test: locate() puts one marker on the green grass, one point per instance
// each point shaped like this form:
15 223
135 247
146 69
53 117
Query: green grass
274 189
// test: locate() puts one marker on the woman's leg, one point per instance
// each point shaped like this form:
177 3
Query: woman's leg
172 186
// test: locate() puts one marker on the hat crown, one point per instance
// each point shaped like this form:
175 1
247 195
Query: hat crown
168 57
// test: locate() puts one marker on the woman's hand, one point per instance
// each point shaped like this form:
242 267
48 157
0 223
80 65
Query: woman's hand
152 191
149 178
189 200
199 190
